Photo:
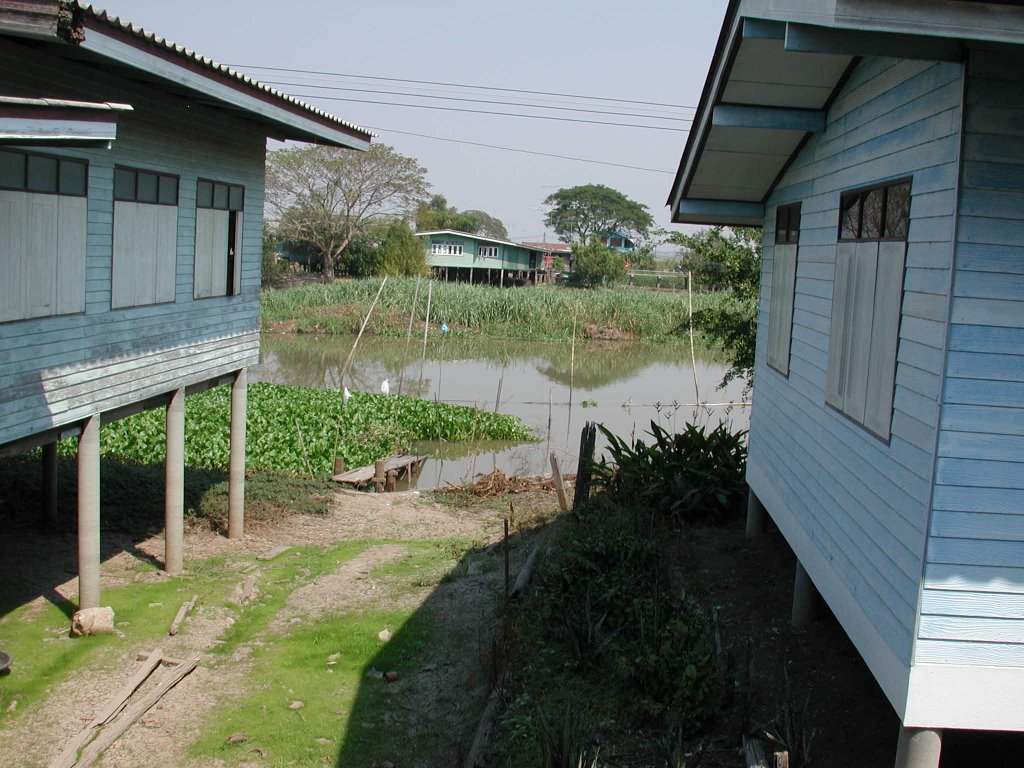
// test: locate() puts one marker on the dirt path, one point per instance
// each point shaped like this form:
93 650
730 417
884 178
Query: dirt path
162 737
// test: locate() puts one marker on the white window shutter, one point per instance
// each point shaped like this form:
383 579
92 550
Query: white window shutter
835 377
885 337
780 311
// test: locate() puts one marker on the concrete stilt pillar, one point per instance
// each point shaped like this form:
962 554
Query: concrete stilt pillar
919 748
805 598
757 516
236 466
174 486
89 514
50 520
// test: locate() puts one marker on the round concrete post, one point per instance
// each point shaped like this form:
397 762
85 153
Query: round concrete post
805 598
50 485
919 748
756 515
89 514
236 465
174 486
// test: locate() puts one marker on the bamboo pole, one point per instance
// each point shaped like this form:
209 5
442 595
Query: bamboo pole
693 354
408 335
426 327
344 370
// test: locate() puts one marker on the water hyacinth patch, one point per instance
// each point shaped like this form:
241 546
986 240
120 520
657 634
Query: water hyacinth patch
298 429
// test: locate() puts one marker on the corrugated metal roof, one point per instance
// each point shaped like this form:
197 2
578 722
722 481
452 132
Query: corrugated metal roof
474 237
180 51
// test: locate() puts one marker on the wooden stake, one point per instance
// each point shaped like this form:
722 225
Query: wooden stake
184 611
426 327
506 555
556 475
693 354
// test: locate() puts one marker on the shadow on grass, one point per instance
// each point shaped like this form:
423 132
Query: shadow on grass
36 560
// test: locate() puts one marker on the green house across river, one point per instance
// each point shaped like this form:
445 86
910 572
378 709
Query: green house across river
476 259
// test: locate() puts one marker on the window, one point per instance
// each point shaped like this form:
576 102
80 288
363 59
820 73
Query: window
446 249
218 266
488 251
866 303
780 310
145 237
43 210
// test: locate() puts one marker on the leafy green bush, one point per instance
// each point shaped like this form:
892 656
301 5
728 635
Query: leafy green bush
694 476
301 430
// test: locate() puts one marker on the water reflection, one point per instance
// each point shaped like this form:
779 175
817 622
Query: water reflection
623 385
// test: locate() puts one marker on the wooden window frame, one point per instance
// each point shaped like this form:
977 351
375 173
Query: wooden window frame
446 249
861 195
870 387
233 209
217 185
61 161
783 297
160 175
489 251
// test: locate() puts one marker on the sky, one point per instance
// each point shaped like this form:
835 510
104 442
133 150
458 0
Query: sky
617 53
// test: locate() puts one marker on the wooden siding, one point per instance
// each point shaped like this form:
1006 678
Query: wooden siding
972 609
55 371
857 504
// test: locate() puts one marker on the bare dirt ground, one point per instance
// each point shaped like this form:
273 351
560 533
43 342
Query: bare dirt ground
162 737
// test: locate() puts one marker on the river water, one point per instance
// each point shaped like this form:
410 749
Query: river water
552 386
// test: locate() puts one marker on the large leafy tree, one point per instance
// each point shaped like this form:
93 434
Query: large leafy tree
323 197
435 213
594 209
728 259
387 247
596 264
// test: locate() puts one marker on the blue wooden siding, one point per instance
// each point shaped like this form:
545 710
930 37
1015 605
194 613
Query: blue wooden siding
860 502
972 609
54 371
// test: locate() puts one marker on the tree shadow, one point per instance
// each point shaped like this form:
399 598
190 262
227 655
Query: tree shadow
420 696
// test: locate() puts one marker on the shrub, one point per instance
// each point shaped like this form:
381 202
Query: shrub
694 476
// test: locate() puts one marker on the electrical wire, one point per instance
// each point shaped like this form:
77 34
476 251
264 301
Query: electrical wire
492 112
461 85
676 118
522 151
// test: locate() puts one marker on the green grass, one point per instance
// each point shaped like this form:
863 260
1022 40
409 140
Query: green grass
542 312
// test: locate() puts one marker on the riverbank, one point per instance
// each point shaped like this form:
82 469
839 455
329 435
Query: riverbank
532 313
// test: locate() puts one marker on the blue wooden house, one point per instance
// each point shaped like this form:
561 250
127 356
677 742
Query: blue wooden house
881 148
131 206
478 259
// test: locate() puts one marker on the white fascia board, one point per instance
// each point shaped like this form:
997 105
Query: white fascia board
972 697
104 45
29 129
705 117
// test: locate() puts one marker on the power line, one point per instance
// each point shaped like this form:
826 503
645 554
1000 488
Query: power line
677 118
419 91
523 151
491 112
461 85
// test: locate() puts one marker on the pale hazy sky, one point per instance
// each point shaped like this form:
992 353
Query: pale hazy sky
641 50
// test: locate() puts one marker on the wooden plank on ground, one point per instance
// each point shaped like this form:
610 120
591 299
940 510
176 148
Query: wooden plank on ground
184 611
172 676
67 758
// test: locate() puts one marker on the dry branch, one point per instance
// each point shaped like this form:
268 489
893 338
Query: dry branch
184 611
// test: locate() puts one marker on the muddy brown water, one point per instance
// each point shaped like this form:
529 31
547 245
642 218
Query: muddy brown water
553 388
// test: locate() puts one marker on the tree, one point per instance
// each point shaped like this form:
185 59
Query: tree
386 247
597 264
594 209
435 214
729 259
324 197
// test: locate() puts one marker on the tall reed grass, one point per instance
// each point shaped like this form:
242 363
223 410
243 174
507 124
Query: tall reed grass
541 312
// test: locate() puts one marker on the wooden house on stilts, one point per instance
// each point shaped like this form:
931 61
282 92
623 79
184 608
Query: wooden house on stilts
880 146
131 208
